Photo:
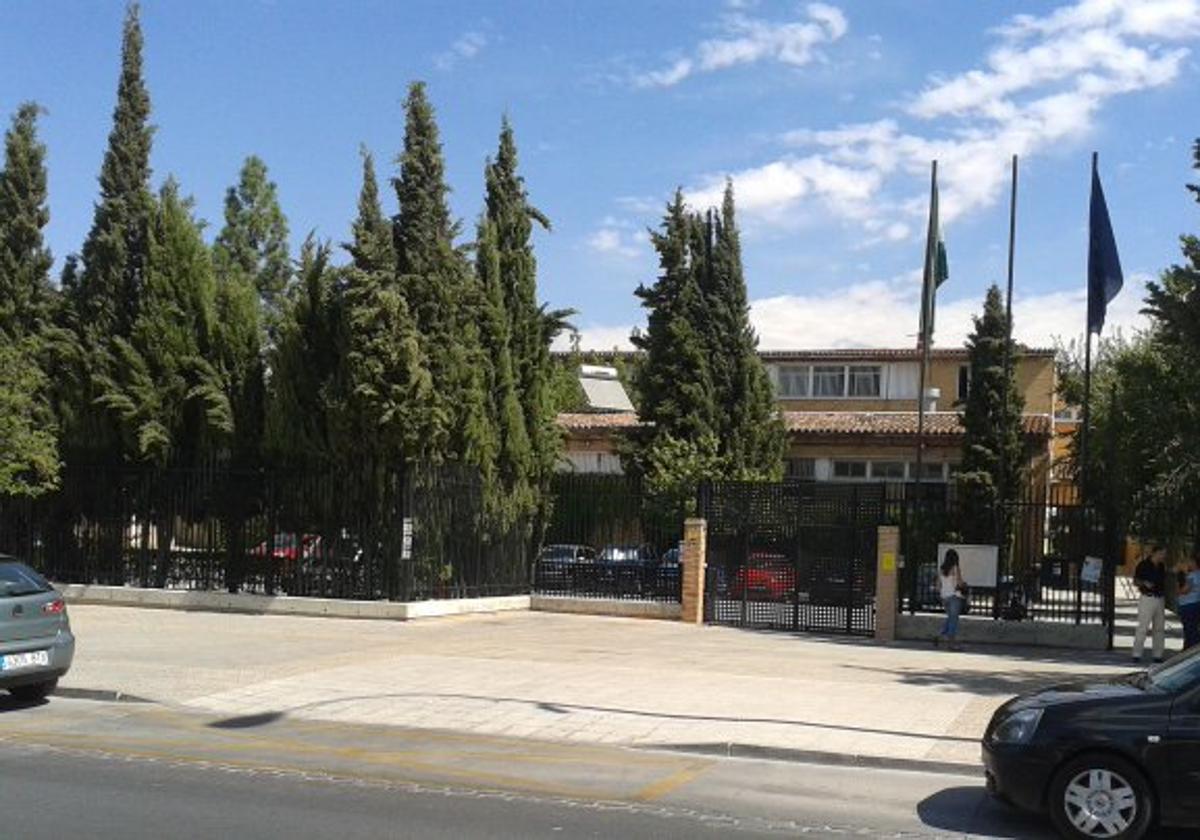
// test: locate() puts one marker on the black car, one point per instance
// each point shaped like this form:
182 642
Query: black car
1105 759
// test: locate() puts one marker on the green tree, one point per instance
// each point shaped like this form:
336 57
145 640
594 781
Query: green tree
254 240
165 395
675 381
991 418
104 290
389 392
749 424
305 363
442 293
24 258
29 463
117 247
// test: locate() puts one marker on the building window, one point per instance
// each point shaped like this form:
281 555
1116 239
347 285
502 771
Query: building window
829 381
932 471
964 382
887 470
849 469
865 381
793 380
802 468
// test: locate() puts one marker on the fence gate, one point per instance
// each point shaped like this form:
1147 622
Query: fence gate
796 556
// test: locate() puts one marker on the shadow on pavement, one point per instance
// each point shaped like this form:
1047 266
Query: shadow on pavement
8 703
248 721
970 811
980 682
265 718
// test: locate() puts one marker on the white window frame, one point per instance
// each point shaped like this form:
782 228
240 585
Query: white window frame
876 370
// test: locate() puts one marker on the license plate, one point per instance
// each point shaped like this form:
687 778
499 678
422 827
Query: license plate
14 661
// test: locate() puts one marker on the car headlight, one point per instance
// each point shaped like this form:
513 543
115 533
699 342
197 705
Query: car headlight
1018 728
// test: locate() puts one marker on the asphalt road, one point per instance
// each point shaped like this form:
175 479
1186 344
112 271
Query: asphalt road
108 770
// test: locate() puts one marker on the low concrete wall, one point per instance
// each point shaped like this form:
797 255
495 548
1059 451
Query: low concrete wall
605 606
178 599
973 630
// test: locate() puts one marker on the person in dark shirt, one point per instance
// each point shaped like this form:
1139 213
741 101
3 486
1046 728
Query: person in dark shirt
1150 578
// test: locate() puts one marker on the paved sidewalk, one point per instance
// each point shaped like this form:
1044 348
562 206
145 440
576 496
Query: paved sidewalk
571 678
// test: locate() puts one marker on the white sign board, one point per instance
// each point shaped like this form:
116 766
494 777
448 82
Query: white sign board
1092 568
980 564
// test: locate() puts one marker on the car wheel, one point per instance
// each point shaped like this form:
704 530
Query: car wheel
1101 796
33 693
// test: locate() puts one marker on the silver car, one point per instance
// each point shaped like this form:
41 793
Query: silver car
36 644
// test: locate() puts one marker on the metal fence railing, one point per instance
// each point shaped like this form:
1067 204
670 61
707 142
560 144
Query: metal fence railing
414 533
607 538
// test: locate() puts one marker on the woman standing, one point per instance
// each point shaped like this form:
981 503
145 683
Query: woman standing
952 599
1189 605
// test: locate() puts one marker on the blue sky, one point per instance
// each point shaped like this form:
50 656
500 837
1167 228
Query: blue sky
825 114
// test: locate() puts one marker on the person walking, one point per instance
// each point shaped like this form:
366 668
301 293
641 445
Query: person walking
1189 603
951 588
1150 578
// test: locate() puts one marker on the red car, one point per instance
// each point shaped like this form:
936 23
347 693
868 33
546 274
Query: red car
288 547
764 577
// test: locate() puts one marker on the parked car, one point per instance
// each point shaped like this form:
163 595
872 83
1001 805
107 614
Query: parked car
564 566
1103 759
763 577
36 643
286 546
626 569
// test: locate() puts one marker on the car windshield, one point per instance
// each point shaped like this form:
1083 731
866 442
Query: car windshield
558 552
1178 673
17 579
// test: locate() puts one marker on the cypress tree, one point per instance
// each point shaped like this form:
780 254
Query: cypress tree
991 449
371 247
24 258
388 391
117 248
441 292
675 381
104 292
254 240
163 392
304 364
29 463
749 424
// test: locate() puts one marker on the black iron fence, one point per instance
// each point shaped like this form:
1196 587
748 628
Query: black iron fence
402 534
608 538
1056 558
792 555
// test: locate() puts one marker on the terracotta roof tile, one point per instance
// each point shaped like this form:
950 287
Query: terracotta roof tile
937 423
615 420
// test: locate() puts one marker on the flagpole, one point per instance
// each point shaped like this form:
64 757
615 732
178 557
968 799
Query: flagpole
1087 376
1006 480
926 337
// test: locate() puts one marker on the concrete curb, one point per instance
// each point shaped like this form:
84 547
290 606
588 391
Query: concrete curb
102 694
799 756
224 602
606 606
984 631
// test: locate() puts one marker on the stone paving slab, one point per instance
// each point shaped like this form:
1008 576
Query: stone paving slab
572 678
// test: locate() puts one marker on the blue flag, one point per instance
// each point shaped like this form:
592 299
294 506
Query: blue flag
1104 266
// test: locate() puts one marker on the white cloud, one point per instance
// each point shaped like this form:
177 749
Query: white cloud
1040 87
748 40
613 239
464 48
597 337
884 313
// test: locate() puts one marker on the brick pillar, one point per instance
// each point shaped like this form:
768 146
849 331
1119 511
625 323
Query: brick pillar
695 550
886 583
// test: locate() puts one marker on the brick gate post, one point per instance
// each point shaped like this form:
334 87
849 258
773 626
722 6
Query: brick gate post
695 550
886 583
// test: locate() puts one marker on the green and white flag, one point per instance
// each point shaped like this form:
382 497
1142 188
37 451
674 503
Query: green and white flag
936 268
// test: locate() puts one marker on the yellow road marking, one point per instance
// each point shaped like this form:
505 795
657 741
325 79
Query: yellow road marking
676 780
